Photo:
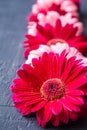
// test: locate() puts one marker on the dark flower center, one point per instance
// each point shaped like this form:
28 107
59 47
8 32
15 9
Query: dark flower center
54 41
52 89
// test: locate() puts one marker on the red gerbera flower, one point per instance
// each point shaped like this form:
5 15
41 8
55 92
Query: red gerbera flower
50 35
53 86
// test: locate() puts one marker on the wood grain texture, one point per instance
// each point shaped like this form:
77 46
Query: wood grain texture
13 15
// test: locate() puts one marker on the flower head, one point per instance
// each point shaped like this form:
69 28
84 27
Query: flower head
49 34
51 17
66 10
53 87
56 48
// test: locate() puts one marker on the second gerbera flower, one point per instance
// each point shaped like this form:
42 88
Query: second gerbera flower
50 35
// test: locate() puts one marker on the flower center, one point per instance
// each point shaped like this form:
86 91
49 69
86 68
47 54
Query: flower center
52 89
53 41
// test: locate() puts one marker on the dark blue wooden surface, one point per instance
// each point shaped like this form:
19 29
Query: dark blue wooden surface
13 15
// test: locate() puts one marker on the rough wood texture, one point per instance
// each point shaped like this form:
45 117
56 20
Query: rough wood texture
13 15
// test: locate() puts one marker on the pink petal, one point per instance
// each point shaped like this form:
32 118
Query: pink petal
64 116
23 74
55 121
69 106
68 69
27 76
47 112
31 102
68 6
56 30
75 92
39 116
56 107
61 62
18 81
29 99
38 106
30 95
26 111
84 89
75 73
75 100
43 123
79 81
22 109
19 105
73 116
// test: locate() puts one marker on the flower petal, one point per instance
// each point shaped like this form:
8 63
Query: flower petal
38 106
75 100
73 116
39 115
56 107
64 116
55 121
69 106
75 92
47 112
79 81
33 101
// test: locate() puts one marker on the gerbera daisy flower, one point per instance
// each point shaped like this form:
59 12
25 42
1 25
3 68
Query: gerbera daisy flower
57 48
48 35
53 87
51 17
61 7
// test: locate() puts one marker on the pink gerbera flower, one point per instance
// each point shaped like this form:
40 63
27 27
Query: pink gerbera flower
51 34
61 7
53 86
51 17
57 48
